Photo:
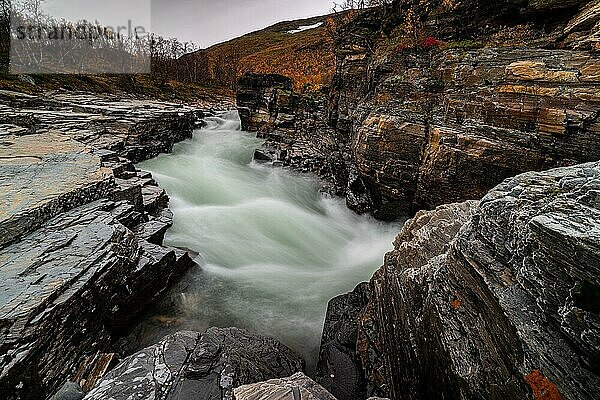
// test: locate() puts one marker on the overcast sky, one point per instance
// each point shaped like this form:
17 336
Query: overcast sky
205 22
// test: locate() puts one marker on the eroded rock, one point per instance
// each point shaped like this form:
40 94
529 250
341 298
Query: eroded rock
196 365
491 299
81 232
297 386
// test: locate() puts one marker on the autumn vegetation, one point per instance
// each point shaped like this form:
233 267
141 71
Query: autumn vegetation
307 57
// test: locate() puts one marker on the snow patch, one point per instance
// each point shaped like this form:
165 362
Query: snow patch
306 28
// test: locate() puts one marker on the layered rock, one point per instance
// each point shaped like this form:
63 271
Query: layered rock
297 386
444 111
81 232
295 127
202 366
491 299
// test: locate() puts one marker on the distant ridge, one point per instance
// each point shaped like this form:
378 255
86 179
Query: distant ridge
305 56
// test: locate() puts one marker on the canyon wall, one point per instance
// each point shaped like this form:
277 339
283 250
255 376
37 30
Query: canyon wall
496 299
441 107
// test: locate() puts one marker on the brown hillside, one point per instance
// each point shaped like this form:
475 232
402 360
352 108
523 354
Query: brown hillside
307 57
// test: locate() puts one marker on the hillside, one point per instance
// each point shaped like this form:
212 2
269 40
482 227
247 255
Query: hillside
300 49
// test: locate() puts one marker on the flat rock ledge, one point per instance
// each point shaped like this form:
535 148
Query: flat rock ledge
495 299
81 232
205 366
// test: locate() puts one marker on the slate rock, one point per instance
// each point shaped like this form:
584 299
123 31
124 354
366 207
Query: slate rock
296 387
196 365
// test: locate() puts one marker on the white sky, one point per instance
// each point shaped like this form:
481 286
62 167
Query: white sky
205 22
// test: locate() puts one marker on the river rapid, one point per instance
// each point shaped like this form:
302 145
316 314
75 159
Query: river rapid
272 249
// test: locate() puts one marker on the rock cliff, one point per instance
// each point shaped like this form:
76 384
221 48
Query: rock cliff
496 299
438 102
81 232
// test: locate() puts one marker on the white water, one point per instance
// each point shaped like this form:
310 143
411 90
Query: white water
273 249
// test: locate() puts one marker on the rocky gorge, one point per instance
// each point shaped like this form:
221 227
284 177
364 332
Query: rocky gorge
480 120
491 298
442 107
81 231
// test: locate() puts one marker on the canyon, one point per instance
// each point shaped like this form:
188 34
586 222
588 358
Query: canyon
481 121
491 298
415 123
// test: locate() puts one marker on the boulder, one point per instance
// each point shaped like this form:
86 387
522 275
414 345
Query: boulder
296 387
203 366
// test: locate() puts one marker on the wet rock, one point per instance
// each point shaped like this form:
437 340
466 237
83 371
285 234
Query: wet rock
198 365
340 369
81 232
491 299
69 391
135 129
42 175
296 387
68 288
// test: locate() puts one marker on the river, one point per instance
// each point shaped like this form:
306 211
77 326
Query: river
273 250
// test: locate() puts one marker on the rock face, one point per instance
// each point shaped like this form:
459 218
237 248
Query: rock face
81 232
201 366
295 128
444 113
340 369
494 299
297 386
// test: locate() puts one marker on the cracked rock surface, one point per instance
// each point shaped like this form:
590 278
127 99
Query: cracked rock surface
296 387
495 299
203 366
81 232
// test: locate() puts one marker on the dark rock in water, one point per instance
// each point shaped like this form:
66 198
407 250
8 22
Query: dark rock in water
203 366
296 387
264 156
339 369
492 299
69 391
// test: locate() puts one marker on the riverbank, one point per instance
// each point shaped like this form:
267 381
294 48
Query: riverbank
81 231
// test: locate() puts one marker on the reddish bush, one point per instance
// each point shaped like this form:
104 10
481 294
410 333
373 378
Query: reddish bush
431 42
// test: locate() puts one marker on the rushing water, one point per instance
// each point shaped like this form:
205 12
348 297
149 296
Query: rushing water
273 250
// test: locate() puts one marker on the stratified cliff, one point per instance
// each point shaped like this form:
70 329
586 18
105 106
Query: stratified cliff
437 102
495 299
